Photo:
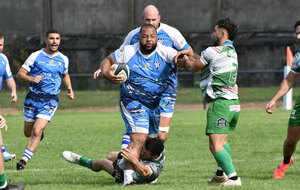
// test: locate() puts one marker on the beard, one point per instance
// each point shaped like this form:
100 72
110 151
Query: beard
146 51
216 42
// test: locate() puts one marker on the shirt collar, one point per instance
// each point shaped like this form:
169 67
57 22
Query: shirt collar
228 43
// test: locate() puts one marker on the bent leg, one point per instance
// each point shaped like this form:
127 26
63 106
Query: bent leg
28 128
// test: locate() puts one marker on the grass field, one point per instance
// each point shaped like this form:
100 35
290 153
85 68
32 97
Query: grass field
110 98
256 149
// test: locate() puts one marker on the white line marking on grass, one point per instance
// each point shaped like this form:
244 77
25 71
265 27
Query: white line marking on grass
44 170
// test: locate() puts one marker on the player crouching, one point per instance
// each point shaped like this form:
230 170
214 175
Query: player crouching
147 169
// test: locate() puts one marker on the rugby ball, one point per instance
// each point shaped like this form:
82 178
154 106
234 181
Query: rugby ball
121 69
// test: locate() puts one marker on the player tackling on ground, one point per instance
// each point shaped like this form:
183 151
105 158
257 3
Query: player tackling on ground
44 70
218 65
293 135
146 169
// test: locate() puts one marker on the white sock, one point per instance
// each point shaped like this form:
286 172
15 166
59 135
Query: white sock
128 176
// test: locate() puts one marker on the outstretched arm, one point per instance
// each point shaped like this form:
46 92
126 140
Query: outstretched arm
12 85
67 81
284 87
190 61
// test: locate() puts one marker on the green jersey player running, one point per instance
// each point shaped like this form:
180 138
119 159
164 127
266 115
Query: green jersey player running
218 65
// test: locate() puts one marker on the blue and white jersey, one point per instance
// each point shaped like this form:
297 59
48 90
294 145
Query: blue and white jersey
51 67
5 72
168 36
148 73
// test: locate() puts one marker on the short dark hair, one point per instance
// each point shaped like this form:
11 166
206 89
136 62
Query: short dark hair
147 25
52 30
230 26
155 146
1 35
297 24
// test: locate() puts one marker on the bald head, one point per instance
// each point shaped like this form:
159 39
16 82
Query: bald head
151 16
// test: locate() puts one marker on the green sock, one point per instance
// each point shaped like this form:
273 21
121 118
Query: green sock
227 148
225 162
86 162
2 179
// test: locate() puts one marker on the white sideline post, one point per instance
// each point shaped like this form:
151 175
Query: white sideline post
288 98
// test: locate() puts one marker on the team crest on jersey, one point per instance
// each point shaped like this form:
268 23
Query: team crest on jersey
161 41
221 122
157 64
147 65
3 62
59 63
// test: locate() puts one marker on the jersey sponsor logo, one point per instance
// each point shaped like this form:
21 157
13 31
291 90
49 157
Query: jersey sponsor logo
230 54
41 62
161 41
222 122
165 103
51 62
228 88
235 108
157 64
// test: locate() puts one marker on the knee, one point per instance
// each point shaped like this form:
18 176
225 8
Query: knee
37 132
27 133
291 141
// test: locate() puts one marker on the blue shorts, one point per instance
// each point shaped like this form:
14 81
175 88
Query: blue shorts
139 118
39 106
167 105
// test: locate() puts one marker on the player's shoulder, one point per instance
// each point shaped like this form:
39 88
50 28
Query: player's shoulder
129 48
133 32
213 50
168 28
2 55
63 56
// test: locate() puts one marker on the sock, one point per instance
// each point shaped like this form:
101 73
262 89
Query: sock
128 176
3 149
86 162
220 170
27 154
287 159
125 141
227 147
225 162
3 182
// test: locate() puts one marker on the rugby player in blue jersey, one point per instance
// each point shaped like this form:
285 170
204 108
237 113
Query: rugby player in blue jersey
44 70
5 73
168 36
150 65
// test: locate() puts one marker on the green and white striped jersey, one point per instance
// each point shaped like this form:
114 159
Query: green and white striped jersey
155 167
218 78
296 63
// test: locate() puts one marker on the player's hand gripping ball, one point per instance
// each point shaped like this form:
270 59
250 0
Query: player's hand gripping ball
121 69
